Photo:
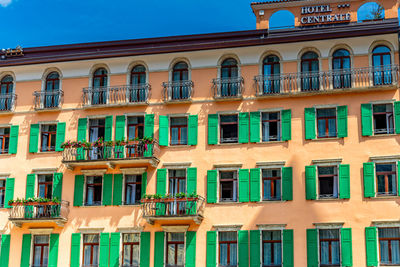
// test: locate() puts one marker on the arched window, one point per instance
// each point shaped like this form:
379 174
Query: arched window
271 71
100 77
138 75
309 72
51 94
281 19
6 91
180 72
341 65
99 90
370 11
382 61
229 74
138 90
180 86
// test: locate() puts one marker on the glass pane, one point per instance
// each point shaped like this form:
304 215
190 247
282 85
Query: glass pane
227 236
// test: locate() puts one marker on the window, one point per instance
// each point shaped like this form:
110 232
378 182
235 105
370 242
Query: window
176 185
135 129
229 72
383 119
90 250
96 131
2 192
381 60
309 72
386 179
228 186
341 69
180 74
94 186
175 249
40 250
6 90
179 130
271 126
271 248
133 189
326 122
99 94
4 140
271 72
329 247
130 254
389 248
271 179
48 135
45 186
328 182
229 128
51 96
138 80
227 249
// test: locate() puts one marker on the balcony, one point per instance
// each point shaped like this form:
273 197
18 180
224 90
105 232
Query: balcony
21 213
230 88
133 153
179 91
7 102
45 100
174 208
116 95
355 79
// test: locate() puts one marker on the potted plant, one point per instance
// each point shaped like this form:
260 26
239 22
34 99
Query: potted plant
192 196
157 197
146 199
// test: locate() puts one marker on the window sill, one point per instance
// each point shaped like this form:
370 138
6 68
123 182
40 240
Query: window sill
230 144
46 152
228 202
329 199
383 135
272 201
383 197
325 139
5 154
178 146
272 142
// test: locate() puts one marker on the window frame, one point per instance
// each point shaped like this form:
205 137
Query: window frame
125 187
330 250
220 128
131 151
326 118
86 190
7 138
389 246
336 166
131 244
34 245
374 133
219 190
279 124
166 242
396 179
227 242
51 134
177 116
37 183
94 244
262 246
273 178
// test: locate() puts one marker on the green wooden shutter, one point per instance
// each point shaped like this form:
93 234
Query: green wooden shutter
104 249
82 128
398 174
57 185
144 249
255 181
149 125
75 249
108 128
288 248
191 180
120 127
255 247
211 253
161 189
286 124
344 181
243 237
212 186
34 138
26 250
190 255
144 185
243 127
346 247
30 185
117 194
255 127
53 250
13 145
5 250
309 123
312 248
212 129
366 119
107 189
10 184
78 190
342 121
159 249
115 239
193 129
60 135
244 185
311 182
397 116
369 179
287 183
163 131
371 246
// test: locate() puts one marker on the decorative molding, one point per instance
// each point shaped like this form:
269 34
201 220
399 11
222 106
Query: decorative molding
328 225
94 171
44 170
271 164
133 170
177 164
5 175
41 231
227 165
390 101
271 226
128 230
90 230
388 223
323 162
383 159
227 227
175 228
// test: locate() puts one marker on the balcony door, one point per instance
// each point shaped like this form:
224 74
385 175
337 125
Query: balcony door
96 132
177 185
44 190
135 130
271 72
381 60
99 90
229 75
309 72
341 69
6 91
51 93
180 74
138 81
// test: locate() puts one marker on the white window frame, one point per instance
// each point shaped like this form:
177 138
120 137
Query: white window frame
185 115
333 164
124 188
372 114
329 227
121 244
166 248
396 166
40 135
271 228
227 113
236 173
237 242
262 184
316 121
85 186
280 124
32 246
83 233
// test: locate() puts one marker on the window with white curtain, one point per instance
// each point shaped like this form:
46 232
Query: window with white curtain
227 242
389 240
40 250
91 244
272 248
329 246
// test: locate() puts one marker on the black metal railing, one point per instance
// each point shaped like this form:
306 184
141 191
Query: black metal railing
37 211
175 207
177 90
228 87
48 99
116 95
7 101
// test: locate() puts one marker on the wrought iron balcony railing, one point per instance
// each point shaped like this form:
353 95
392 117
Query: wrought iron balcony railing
116 95
48 99
184 208
178 91
7 101
227 88
33 212
323 81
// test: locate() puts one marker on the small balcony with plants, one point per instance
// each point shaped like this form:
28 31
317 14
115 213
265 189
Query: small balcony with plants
137 152
38 210
181 206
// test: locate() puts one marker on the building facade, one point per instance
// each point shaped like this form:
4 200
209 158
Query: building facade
270 147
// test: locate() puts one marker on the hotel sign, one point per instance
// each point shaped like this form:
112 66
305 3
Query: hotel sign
323 14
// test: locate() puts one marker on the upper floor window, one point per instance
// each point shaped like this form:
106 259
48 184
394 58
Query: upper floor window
100 77
138 80
99 93
381 61
386 179
138 75
326 122
272 248
328 182
229 128
271 72
383 120
45 186
228 247
91 245
51 97
389 245
175 249
4 140
309 72
271 184
271 126
133 189
2 192
179 130
229 71
6 89
228 186
40 250
341 69
48 134
180 74
130 253
329 246
176 185
94 186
